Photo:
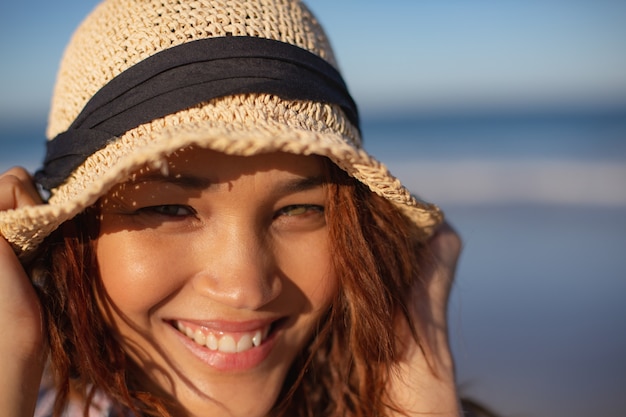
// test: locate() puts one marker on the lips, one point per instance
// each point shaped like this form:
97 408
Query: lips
222 340
229 346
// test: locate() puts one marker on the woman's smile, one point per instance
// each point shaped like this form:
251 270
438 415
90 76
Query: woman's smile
229 350
217 273
217 338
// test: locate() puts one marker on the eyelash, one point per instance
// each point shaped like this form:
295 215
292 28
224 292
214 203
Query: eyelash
301 208
173 210
165 210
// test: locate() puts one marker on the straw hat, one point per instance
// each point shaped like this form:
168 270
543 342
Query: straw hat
142 79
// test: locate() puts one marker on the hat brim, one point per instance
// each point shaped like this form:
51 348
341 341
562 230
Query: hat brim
25 228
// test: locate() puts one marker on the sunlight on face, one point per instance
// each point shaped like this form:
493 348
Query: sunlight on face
216 273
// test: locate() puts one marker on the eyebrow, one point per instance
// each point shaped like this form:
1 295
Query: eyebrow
191 182
294 185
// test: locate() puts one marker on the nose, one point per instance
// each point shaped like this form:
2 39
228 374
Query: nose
237 267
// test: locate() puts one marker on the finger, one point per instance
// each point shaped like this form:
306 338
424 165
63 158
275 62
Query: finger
17 189
446 246
26 178
22 345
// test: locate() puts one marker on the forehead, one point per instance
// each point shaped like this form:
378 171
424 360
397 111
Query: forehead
202 167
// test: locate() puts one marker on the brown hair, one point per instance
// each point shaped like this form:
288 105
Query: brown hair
344 370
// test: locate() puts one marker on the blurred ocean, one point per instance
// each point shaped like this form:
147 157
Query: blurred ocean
538 312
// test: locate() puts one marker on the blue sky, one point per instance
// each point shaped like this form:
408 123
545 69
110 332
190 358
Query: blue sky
424 55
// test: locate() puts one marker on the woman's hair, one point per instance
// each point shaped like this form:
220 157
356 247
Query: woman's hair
342 372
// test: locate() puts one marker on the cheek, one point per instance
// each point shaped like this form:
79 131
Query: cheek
309 266
135 278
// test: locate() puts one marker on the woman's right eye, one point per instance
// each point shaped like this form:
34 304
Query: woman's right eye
168 210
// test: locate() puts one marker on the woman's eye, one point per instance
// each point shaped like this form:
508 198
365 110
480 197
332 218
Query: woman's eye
300 209
169 210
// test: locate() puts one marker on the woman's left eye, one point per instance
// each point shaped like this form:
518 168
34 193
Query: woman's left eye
300 209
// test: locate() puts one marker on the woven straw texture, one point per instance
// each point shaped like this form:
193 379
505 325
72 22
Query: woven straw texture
121 33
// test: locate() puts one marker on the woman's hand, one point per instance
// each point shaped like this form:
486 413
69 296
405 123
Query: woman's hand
22 337
424 382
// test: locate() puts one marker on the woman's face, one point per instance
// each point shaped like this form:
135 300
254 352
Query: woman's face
216 274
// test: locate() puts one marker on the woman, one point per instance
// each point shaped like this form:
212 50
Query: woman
216 241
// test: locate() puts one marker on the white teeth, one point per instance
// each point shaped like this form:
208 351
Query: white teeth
199 337
224 342
244 343
227 344
211 342
257 338
189 332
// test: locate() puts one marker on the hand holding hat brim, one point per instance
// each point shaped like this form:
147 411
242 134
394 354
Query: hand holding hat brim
22 342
